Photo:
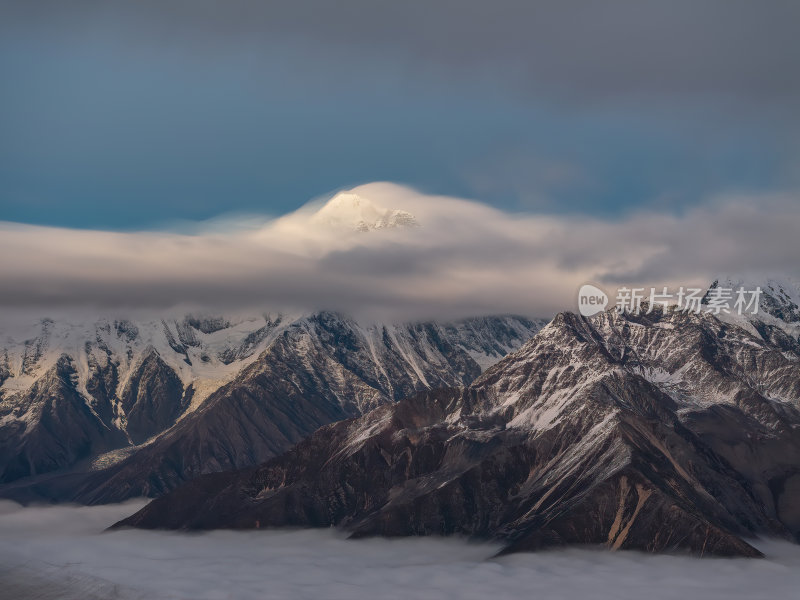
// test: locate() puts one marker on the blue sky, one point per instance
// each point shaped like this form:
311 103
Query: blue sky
122 119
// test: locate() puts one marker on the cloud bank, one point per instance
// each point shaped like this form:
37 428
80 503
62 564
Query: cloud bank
58 552
465 258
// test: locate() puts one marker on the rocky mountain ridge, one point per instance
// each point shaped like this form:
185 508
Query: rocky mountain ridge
667 431
152 404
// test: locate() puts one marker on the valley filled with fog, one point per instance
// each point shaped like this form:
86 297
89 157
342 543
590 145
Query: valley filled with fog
62 552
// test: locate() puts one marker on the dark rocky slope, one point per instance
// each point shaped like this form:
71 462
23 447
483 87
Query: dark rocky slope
59 427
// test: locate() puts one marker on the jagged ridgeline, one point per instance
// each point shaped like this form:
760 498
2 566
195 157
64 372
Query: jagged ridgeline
101 411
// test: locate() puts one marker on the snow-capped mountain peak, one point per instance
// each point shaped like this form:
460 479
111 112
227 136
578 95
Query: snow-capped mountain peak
779 297
778 318
347 210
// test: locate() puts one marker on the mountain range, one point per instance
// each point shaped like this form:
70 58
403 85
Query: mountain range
663 431
107 410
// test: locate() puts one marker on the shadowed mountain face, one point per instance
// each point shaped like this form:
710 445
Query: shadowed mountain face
660 432
51 425
152 398
113 383
309 372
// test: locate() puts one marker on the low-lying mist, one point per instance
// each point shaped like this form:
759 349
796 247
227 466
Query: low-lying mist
61 552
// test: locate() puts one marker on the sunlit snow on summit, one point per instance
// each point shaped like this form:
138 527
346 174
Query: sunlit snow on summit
348 210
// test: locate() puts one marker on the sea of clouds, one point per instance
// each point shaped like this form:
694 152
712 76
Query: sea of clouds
62 552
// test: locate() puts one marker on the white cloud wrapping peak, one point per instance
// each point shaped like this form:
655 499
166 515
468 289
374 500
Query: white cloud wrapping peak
464 258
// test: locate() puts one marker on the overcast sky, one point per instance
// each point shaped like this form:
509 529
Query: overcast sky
541 144
129 115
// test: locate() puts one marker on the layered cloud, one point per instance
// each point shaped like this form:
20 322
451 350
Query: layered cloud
734 47
457 258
